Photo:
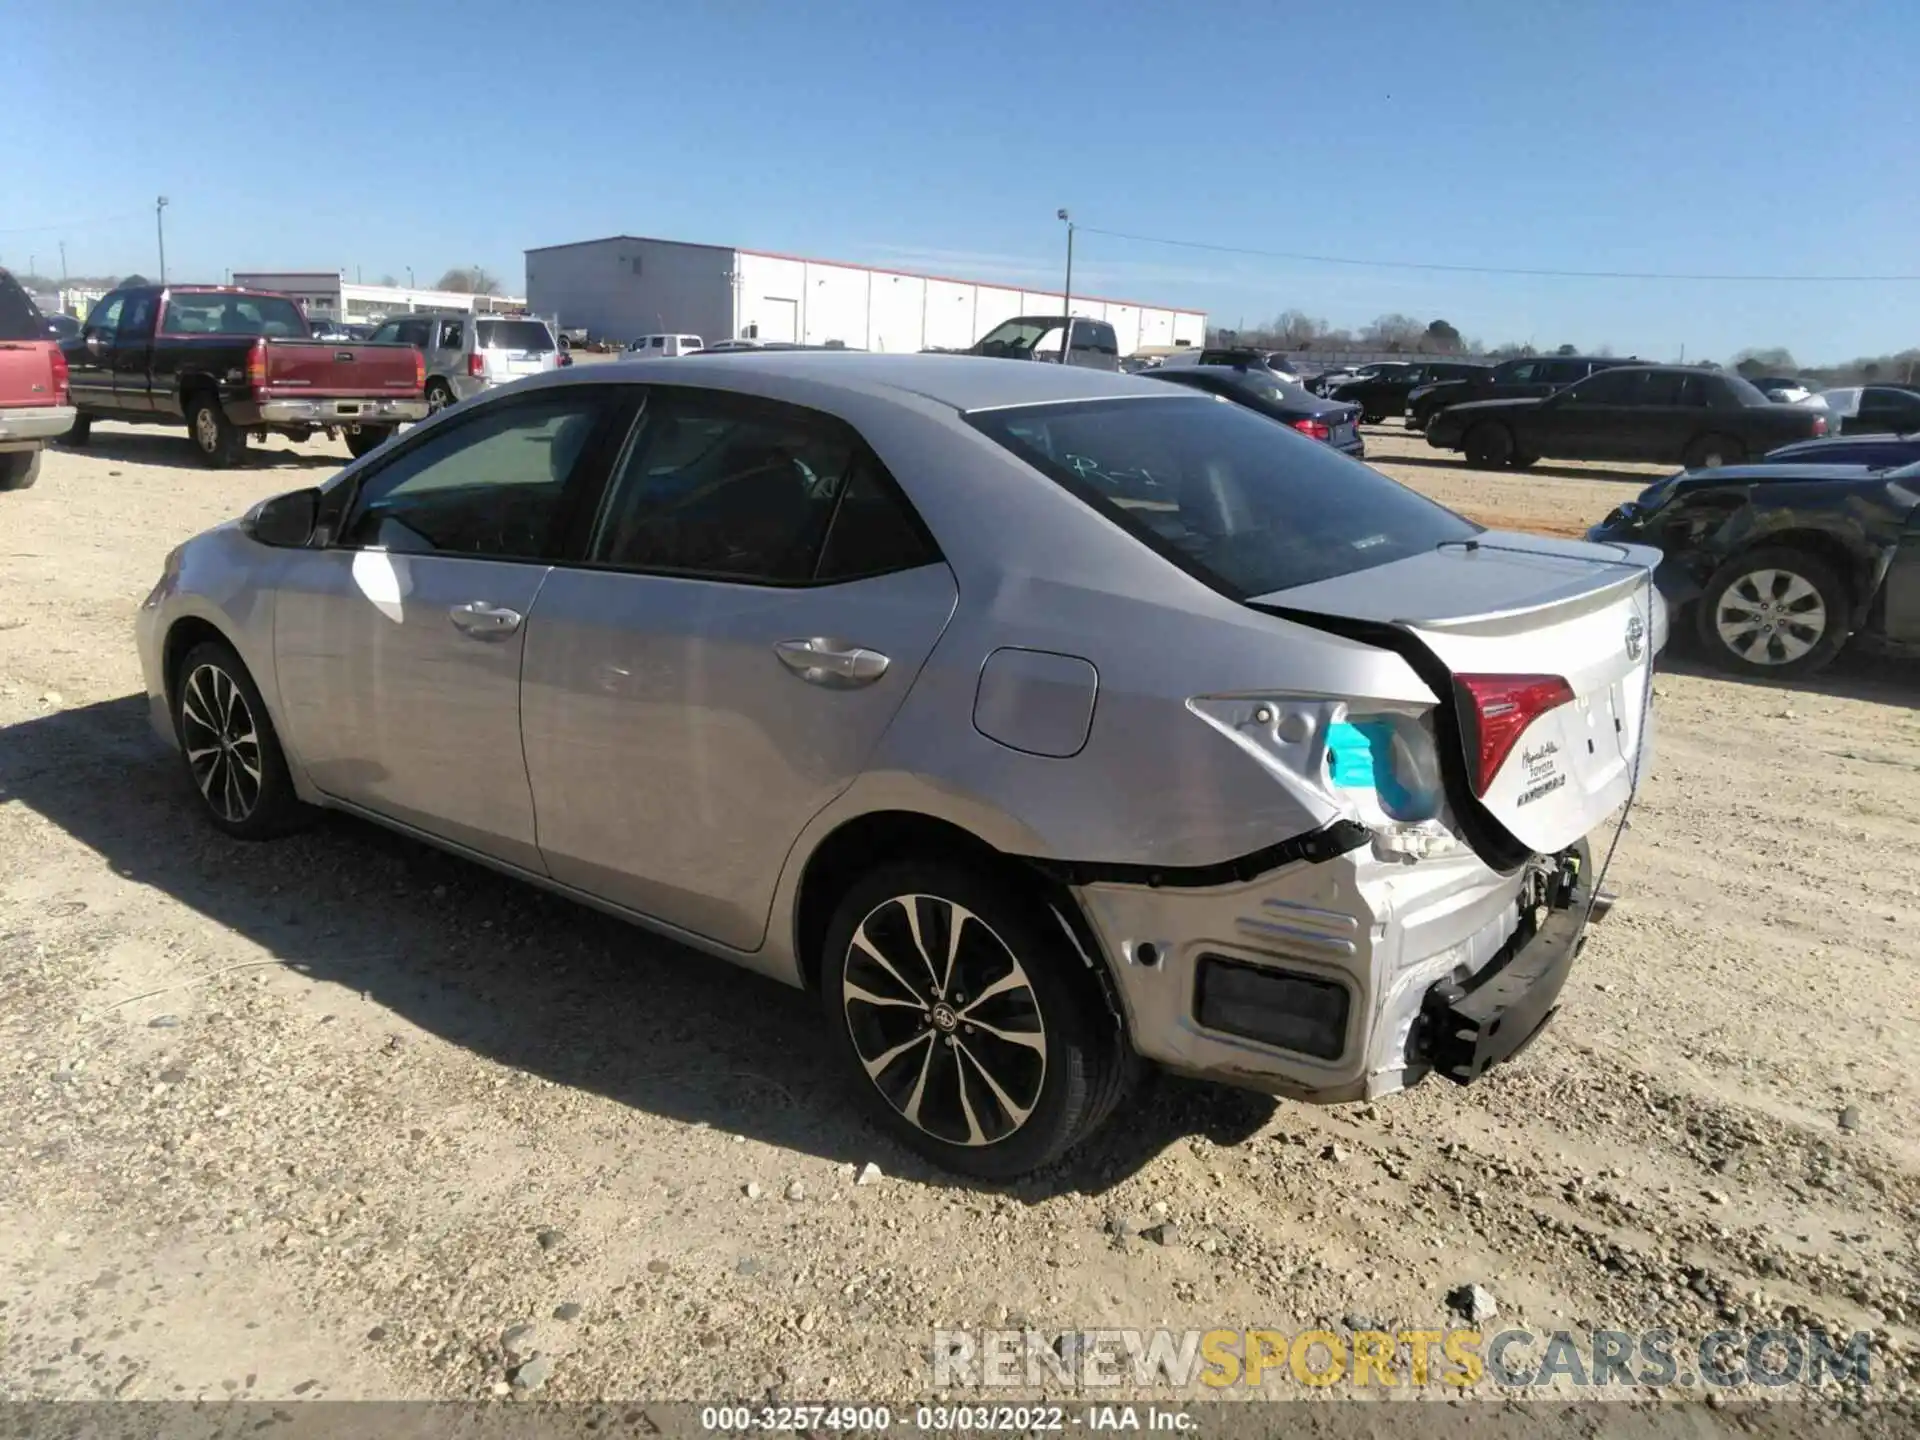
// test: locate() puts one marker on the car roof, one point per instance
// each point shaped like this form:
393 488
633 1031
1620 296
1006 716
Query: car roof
963 382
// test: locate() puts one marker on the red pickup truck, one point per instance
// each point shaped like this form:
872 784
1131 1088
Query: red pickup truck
33 387
231 363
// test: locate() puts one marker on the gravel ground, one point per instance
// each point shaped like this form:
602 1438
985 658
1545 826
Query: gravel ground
337 1116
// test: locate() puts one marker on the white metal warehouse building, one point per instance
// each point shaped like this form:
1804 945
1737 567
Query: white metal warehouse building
626 286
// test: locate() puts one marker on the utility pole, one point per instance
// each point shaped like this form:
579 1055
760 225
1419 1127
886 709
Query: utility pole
409 277
160 229
63 270
1066 296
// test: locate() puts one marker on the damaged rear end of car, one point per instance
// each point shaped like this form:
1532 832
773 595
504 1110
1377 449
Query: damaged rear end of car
1496 716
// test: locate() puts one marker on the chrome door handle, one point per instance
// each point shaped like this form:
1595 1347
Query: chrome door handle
483 621
831 663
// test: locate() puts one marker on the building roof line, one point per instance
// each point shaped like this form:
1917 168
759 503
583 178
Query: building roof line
859 265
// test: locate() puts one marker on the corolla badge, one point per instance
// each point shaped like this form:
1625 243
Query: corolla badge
1636 637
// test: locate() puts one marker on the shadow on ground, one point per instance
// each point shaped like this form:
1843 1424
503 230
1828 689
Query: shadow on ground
1857 673
511 973
171 448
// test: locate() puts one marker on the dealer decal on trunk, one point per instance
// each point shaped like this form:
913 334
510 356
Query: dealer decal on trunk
1543 773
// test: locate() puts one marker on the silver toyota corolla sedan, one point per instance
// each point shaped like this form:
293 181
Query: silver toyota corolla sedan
1044 721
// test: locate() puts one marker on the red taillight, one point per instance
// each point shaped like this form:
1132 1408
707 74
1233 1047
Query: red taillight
58 358
1318 429
1819 425
419 371
476 364
1498 709
257 364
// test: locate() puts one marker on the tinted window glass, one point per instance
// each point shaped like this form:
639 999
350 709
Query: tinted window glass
105 314
136 321
218 314
874 530
726 488
1239 499
1608 387
1095 336
19 316
448 337
513 335
489 486
1742 390
1665 388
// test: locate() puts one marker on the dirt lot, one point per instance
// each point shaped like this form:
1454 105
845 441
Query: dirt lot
328 1117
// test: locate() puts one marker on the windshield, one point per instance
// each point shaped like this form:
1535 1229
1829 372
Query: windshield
212 313
1229 495
1017 337
19 316
514 335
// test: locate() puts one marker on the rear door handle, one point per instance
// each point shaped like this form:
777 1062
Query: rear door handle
831 663
484 621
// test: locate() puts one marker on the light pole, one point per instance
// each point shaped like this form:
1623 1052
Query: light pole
1066 297
409 277
160 229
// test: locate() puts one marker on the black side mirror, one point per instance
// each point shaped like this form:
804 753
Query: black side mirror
285 521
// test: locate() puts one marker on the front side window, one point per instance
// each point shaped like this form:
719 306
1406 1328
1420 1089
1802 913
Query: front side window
726 488
1233 497
490 486
1608 387
105 315
137 321
203 313
1519 372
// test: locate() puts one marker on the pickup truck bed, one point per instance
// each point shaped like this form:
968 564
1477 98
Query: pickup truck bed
33 387
230 364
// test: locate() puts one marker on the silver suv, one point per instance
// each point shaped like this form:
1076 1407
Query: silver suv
467 354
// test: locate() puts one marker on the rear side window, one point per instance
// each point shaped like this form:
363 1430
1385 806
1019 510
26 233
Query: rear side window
514 335
449 337
217 313
726 488
20 318
1232 497
874 530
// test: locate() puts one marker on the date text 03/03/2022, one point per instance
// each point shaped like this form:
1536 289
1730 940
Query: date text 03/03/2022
962 1419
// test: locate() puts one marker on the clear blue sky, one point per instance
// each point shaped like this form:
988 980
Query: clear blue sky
1682 135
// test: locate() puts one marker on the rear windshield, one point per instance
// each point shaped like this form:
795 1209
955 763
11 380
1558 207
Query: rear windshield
514 335
217 314
19 316
1244 502
1745 392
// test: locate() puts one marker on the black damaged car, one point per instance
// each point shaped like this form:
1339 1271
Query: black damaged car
1779 564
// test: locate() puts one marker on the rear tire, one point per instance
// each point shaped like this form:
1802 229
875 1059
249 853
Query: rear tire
79 433
1489 446
993 1087
219 443
19 469
439 396
368 439
228 744
1710 452
1777 614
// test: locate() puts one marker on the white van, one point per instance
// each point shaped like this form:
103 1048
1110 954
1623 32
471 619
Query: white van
653 346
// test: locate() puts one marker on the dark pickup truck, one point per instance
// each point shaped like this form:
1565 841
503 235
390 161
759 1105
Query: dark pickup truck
1529 377
1660 413
231 363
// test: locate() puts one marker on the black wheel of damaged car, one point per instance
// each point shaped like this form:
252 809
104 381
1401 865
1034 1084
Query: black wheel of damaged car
1773 612
228 742
969 1025
1489 446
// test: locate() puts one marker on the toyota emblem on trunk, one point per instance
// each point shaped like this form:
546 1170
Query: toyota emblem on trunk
1636 636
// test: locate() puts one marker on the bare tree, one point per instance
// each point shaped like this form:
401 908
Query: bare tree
472 280
1393 333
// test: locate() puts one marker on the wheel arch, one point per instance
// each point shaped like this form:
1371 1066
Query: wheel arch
874 837
1853 568
182 636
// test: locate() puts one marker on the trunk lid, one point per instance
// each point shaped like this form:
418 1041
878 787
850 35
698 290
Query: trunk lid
361 369
26 373
1542 654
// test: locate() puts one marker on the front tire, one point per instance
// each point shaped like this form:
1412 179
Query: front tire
219 443
367 439
1778 614
1710 452
1489 446
968 1026
227 740
19 469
